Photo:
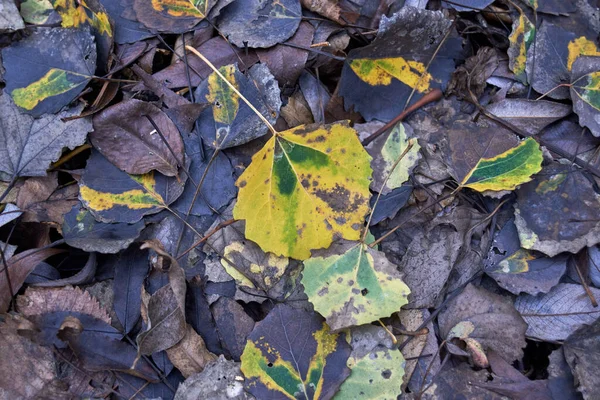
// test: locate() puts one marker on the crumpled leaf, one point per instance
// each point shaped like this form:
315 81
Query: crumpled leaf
377 368
260 23
291 353
585 92
486 320
558 211
531 116
557 314
220 380
518 270
229 121
19 266
190 355
378 79
126 137
111 195
317 185
81 230
28 146
171 16
83 276
44 78
581 352
386 151
45 201
355 287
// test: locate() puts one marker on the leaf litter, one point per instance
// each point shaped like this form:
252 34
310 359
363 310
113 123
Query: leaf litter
192 205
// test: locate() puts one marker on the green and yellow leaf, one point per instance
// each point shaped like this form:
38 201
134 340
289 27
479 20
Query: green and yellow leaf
354 288
375 376
76 13
291 354
382 71
588 89
521 38
182 8
38 12
507 170
304 186
112 195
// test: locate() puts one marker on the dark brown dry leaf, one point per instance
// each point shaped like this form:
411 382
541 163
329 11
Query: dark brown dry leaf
27 370
130 271
233 325
473 75
286 63
297 111
37 301
488 320
124 135
19 266
190 355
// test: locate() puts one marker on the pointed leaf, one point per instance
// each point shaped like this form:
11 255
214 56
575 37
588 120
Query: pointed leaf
43 78
507 170
354 288
111 195
305 185
292 354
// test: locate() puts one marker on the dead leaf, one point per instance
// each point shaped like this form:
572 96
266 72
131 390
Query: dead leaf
581 352
530 116
473 75
190 355
233 326
297 111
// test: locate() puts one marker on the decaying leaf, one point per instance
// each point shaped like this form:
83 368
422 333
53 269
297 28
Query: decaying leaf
229 121
190 355
233 326
111 195
355 287
292 353
581 352
172 16
81 230
124 134
39 12
529 115
585 92
558 211
10 20
378 79
377 368
521 39
557 314
484 320
473 75
305 185
28 146
387 165
260 23
518 270
43 78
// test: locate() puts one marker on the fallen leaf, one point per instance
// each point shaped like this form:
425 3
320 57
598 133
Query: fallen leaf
581 353
19 266
330 9
199 316
486 319
131 269
473 75
560 379
470 5
389 170
230 121
172 16
521 38
530 116
124 134
316 94
233 326
83 276
297 111
376 367
10 20
10 213
462 381
220 380
388 205
39 12
585 92
558 211
291 353
305 200
28 146
111 195
518 270
125 29
557 314
43 79
190 355
379 78
45 201
260 23
555 7
354 288
81 230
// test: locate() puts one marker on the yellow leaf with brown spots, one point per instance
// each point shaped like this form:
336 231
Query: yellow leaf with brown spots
304 186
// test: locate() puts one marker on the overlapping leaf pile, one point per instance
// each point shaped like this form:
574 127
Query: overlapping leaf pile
277 222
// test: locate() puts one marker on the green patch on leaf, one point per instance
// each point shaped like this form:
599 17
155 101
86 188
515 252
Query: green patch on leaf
507 170
354 288
521 39
291 354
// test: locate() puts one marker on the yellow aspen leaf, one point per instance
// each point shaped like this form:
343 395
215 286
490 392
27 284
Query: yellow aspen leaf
304 186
